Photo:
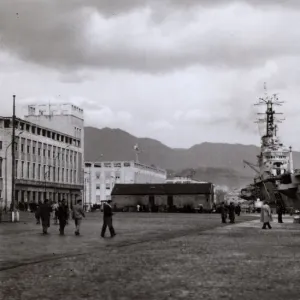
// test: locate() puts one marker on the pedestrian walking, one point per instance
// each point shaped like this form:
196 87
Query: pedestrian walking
107 219
223 212
62 215
55 211
45 215
78 214
266 215
37 213
231 212
238 210
280 210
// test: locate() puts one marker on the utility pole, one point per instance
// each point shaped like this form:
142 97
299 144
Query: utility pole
13 161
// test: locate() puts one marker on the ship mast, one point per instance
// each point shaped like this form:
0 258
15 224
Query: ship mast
269 119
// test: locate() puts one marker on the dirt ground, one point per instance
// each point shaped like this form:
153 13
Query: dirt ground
153 256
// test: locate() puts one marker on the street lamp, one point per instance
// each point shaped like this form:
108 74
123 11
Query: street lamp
86 180
6 169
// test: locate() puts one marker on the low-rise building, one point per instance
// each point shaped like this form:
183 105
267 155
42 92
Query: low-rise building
183 180
100 178
163 196
48 162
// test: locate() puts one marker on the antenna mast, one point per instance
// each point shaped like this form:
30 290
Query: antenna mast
270 102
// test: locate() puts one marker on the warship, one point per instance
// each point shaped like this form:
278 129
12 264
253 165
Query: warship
274 180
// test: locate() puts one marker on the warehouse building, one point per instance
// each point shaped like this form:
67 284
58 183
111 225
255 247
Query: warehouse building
165 197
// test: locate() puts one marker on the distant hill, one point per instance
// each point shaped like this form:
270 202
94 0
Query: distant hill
216 162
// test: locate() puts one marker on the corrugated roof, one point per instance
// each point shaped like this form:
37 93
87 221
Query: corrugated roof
162 189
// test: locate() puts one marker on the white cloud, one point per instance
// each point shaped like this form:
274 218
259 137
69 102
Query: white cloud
106 117
161 125
195 67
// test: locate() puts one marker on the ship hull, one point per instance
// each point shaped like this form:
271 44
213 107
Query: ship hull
289 199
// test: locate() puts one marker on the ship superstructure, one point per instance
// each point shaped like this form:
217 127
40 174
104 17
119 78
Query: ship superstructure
275 159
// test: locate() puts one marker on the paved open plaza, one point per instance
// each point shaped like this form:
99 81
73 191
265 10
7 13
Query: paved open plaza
153 256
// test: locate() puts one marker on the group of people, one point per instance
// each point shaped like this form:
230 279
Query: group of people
229 211
61 214
265 215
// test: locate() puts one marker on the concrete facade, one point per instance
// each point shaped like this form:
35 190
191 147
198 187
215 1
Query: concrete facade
49 160
100 178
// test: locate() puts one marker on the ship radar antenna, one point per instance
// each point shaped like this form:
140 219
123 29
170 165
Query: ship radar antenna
269 114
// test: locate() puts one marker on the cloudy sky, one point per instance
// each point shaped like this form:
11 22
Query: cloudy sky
180 71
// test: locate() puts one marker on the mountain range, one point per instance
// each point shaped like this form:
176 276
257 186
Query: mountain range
219 163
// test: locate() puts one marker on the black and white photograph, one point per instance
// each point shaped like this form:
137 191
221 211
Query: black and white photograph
149 149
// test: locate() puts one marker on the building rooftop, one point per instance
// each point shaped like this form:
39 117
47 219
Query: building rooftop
116 163
46 130
162 189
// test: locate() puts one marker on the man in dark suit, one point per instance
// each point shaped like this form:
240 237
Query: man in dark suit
62 215
224 212
107 219
231 212
45 214
280 212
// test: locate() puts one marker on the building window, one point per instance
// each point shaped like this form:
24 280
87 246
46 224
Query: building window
54 171
98 199
71 179
33 150
44 152
1 160
58 173
22 148
75 176
62 174
126 164
28 170
117 165
16 168
67 175
108 186
97 175
39 171
22 169
1 145
33 170
28 148
97 186
54 151
107 165
49 153
44 172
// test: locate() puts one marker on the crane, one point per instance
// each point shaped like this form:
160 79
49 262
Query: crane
252 166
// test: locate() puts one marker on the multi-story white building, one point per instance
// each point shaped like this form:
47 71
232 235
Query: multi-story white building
49 155
100 178
183 180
